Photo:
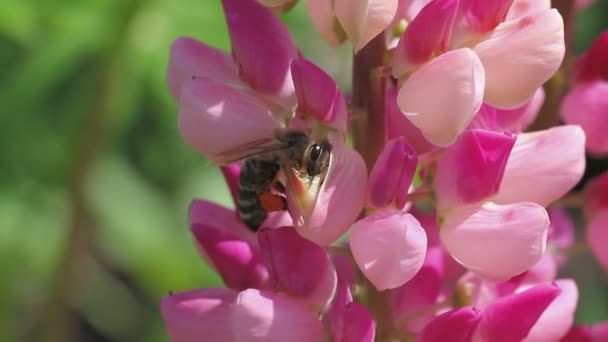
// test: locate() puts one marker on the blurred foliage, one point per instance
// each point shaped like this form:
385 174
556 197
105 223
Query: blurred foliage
95 180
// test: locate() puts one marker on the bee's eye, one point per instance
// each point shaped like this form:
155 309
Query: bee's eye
315 152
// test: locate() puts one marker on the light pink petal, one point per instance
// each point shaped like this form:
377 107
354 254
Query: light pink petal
592 66
318 95
363 20
214 118
392 175
522 8
389 247
270 317
200 314
443 96
597 237
398 125
359 325
521 55
340 198
510 319
543 166
587 105
203 212
428 35
512 238
557 319
307 274
322 15
457 325
486 154
420 293
263 48
190 58
479 16
237 261
596 194
544 271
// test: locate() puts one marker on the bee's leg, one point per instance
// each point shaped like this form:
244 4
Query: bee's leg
272 202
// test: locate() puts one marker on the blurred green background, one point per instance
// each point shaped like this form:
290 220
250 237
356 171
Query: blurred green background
95 180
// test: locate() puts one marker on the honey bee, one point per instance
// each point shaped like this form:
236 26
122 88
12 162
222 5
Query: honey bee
293 154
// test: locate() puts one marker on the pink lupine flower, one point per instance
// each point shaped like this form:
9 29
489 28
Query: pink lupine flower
596 195
543 166
522 8
308 274
334 317
389 247
597 237
267 316
458 183
359 325
392 175
511 237
458 325
398 125
190 316
363 20
478 17
323 17
442 97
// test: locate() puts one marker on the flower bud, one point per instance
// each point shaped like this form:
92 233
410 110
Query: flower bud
456 325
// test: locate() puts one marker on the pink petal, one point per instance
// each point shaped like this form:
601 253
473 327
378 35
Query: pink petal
457 325
392 175
593 64
203 212
359 325
270 317
409 9
600 331
345 268
486 153
214 118
398 125
237 261
511 238
334 317
520 55
363 20
428 35
557 319
597 237
522 8
318 95
190 58
579 333
476 18
263 49
340 199
389 247
596 194
323 17
511 318
194 315
587 105
561 231
544 271
442 97
297 266
420 293
543 166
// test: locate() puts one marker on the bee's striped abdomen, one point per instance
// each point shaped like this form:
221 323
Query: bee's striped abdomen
257 175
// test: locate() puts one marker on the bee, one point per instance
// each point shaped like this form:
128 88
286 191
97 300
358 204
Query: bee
291 158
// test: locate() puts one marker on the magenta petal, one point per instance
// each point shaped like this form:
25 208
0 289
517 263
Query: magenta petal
543 165
231 175
260 316
318 94
203 212
426 36
392 174
214 117
457 325
190 58
557 319
263 49
587 105
597 237
483 16
596 194
334 317
593 65
510 319
389 247
297 266
200 314
486 154
398 125
359 325
237 261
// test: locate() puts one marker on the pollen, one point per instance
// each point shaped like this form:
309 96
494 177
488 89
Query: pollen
272 202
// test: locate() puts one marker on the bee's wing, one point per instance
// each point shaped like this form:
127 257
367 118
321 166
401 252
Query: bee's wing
305 190
249 149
